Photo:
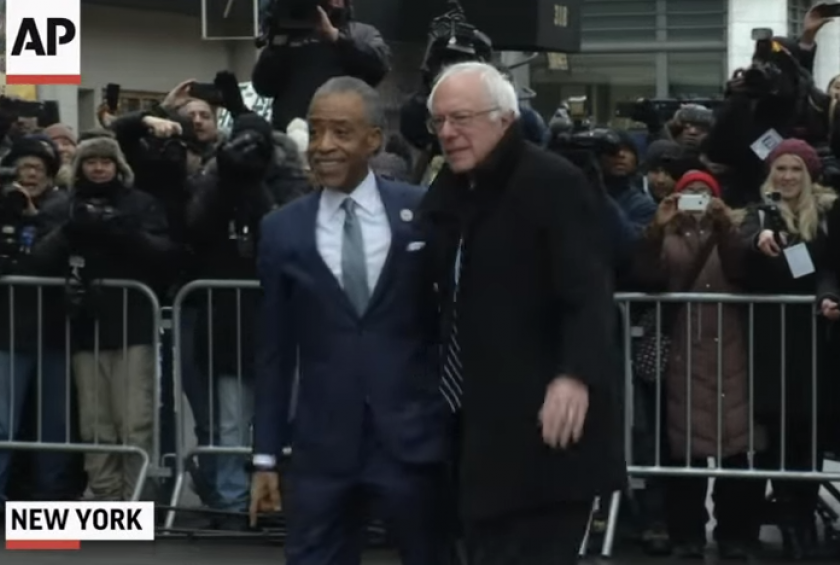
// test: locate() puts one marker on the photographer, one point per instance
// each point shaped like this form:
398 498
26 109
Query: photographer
296 62
33 355
162 153
248 178
773 99
108 229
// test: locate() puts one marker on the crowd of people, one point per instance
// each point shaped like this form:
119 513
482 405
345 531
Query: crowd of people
424 349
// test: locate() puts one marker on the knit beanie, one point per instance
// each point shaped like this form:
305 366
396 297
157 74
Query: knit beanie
34 146
802 150
698 176
660 152
61 131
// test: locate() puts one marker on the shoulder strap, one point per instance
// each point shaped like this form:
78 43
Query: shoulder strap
700 262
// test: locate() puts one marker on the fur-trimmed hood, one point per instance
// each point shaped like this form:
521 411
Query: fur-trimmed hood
104 147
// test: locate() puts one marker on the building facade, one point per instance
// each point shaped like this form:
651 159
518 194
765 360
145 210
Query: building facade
631 49
666 48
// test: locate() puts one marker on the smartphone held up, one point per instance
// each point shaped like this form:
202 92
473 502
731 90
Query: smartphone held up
693 202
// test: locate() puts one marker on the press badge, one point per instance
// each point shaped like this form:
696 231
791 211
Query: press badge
799 261
765 144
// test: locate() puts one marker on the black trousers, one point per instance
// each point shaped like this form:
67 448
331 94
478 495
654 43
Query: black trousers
551 536
797 499
737 504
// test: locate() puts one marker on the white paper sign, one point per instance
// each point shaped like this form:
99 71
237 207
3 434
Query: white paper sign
799 261
259 105
765 144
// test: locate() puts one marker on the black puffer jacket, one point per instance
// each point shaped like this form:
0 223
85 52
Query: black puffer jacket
35 310
142 252
223 219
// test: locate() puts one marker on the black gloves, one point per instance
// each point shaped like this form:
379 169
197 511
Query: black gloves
89 218
249 153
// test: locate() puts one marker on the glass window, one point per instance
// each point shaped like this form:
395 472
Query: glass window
605 20
132 101
606 80
796 16
696 74
695 19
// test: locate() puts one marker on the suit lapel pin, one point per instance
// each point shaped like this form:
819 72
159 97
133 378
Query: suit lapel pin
406 215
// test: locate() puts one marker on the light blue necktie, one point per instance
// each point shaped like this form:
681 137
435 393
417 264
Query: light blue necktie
353 263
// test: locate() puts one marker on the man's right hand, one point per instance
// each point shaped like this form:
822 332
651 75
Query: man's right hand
265 494
162 128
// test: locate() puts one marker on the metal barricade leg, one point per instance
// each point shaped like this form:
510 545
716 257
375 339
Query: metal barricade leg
584 544
612 525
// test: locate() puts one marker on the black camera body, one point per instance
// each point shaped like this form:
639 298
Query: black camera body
596 141
167 150
16 229
452 39
280 17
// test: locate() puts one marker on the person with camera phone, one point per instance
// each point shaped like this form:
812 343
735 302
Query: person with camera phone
308 43
107 229
786 237
693 245
33 354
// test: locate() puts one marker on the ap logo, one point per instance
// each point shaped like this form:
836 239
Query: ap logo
42 42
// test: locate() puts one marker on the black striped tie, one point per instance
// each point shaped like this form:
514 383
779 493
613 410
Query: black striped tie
453 372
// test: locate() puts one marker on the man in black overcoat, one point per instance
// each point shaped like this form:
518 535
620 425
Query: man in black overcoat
531 366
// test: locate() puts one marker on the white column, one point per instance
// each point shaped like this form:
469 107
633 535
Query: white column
67 97
827 63
744 16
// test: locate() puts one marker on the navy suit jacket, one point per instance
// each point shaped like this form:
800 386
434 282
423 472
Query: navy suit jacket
378 373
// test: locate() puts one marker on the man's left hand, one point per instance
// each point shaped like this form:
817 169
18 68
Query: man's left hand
325 28
563 412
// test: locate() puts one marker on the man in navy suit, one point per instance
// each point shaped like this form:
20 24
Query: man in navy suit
347 302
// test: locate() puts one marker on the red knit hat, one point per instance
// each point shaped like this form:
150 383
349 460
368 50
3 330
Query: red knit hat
698 176
802 150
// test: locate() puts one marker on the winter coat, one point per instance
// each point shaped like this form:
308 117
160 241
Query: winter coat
704 337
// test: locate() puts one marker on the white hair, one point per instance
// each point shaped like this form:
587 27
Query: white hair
499 89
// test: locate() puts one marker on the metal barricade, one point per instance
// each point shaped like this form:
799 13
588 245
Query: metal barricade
211 448
727 312
24 359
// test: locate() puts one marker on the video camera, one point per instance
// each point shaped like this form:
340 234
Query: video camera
452 39
280 17
659 111
12 109
16 233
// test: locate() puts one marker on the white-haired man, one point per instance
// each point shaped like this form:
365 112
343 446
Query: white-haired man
523 258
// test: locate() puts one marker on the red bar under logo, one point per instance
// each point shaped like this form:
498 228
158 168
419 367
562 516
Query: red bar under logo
43 544
44 79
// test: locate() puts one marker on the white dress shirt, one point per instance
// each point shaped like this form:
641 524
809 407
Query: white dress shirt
373 219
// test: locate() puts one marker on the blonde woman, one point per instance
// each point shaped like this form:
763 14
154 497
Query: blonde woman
786 238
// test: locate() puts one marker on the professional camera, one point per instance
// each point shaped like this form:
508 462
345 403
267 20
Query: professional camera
596 141
763 77
452 39
170 149
16 232
659 111
279 17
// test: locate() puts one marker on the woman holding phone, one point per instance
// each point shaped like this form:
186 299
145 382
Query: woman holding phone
693 246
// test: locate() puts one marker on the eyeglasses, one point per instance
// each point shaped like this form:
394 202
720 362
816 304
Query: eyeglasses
458 120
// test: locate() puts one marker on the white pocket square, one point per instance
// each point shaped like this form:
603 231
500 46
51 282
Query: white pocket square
416 246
